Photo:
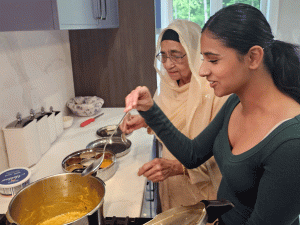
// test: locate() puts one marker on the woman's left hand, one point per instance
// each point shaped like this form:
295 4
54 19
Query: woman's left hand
160 169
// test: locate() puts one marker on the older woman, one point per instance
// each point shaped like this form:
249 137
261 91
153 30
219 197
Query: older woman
190 104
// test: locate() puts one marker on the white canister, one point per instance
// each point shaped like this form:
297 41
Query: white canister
22 142
52 126
59 123
43 131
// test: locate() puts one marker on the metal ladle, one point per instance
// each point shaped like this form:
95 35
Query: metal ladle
97 163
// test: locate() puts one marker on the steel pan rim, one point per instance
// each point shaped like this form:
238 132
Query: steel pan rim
116 140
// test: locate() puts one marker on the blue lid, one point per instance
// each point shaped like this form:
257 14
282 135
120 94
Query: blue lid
14 176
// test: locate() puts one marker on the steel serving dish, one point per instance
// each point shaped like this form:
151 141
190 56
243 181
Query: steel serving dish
79 160
58 195
116 145
108 130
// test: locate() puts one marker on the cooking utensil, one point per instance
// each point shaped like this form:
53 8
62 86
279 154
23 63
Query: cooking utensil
58 195
97 163
87 122
198 214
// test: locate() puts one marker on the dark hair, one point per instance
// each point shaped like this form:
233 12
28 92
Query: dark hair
241 26
170 34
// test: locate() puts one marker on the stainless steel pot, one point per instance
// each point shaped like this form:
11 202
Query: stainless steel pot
63 194
198 214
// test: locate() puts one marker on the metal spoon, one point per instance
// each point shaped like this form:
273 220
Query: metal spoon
97 163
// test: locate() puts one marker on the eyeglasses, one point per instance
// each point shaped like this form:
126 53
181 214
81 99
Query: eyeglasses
174 58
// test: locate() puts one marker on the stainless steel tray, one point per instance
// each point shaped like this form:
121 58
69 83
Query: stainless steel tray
76 158
116 145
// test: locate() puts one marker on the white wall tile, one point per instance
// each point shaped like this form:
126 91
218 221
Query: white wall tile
36 71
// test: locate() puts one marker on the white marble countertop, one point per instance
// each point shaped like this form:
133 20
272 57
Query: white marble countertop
124 191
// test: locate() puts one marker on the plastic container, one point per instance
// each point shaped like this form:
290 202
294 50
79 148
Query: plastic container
13 180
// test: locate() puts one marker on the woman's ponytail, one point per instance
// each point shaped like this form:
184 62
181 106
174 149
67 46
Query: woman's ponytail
282 60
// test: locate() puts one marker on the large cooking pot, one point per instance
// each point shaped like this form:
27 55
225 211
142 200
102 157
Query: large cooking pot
198 214
58 197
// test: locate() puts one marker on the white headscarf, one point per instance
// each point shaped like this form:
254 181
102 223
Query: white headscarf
195 98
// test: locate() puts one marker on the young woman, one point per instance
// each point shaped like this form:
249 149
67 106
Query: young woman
190 104
255 138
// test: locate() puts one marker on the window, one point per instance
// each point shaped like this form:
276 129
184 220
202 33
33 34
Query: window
198 11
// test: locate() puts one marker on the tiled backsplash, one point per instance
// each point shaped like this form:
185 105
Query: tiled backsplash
36 71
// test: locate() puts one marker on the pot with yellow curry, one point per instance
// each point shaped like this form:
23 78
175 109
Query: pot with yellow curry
63 199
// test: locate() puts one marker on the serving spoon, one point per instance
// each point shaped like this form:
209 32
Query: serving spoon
97 163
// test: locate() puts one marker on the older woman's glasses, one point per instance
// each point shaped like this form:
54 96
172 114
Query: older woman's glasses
174 58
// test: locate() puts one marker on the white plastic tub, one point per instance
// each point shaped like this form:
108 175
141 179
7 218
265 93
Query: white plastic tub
13 180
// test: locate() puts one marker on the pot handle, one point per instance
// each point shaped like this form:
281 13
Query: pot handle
9 219
216 208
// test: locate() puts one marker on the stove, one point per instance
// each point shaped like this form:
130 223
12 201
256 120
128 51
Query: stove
125 221
108 221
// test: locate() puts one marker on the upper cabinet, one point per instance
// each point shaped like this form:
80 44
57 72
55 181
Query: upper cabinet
87 14
18 15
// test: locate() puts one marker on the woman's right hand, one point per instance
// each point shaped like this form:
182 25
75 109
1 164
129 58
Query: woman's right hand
132 123
140 99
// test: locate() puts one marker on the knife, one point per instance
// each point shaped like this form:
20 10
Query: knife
83 124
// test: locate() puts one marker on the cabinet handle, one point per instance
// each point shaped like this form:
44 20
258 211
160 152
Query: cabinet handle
103 9
96 9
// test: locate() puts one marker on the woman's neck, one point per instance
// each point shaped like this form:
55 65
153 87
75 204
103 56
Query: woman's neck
263 97
182 82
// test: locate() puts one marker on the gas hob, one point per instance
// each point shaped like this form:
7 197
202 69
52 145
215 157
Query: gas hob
108 221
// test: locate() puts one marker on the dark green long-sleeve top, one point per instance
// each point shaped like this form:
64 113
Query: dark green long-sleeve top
263 183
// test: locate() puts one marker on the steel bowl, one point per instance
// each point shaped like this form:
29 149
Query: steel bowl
116 145
79 160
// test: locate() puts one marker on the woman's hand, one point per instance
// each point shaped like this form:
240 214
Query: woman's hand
132 123
140 99
160 169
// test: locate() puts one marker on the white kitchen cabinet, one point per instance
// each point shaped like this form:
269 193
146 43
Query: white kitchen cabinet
17 15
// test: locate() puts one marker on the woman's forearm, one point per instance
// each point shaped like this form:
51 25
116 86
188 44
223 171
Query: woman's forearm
191 153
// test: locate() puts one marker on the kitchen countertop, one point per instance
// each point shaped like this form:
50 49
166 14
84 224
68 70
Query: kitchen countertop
124 191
